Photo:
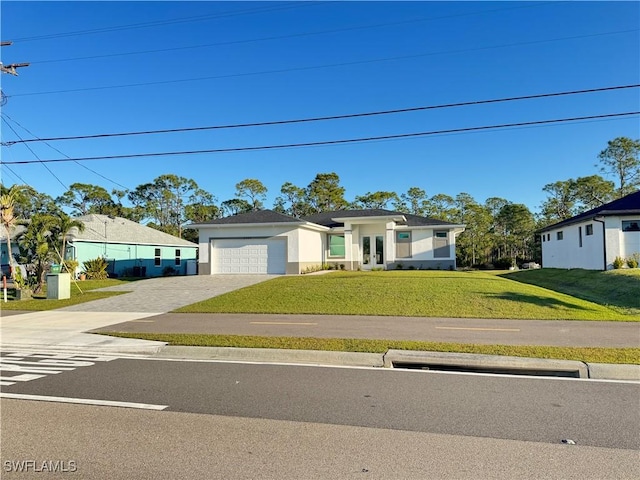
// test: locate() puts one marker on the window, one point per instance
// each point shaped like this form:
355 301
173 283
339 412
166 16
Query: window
580 237
441 248
548 237
336 245
403 244
559 236
631 225
158 260
177 257
589 229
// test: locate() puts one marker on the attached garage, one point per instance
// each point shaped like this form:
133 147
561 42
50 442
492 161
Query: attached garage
249 255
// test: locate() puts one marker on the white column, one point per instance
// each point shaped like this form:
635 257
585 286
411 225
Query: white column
348 246
389 243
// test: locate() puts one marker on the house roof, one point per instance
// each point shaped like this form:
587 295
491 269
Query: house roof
103 228
17 230
257 216
627 205
328 218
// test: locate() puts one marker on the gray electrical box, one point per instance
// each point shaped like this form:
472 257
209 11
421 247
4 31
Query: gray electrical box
58 286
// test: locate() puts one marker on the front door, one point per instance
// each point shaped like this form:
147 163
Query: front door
372 247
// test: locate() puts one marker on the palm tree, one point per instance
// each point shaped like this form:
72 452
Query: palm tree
7 216
63 224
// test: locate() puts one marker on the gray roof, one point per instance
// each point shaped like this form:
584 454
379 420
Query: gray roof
257 216
627 205
326 218
103 228
16 231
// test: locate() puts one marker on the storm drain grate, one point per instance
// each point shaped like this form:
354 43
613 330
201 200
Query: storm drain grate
487 369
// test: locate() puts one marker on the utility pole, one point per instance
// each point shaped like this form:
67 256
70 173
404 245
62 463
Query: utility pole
11 68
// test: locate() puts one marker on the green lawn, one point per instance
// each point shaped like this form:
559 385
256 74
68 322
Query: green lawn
40 302
619 289
582 354
470 294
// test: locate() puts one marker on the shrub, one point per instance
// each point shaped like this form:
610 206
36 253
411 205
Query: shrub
412 267
398 266
633 260
96 269
342 266
503 263
169 271
618 263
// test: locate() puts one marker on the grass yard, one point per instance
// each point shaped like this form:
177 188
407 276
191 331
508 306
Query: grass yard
471 294
583 354
619 289
40 302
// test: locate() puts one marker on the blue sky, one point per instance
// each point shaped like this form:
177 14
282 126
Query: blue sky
224 63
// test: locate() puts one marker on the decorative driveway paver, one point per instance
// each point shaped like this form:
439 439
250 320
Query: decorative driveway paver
164 294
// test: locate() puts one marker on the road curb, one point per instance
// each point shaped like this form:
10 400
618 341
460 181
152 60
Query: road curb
315 357
113 350
609 371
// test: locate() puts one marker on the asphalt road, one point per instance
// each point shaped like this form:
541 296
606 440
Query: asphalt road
592 413
464 330
127 444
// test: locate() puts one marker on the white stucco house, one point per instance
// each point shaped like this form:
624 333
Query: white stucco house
593 239
267 242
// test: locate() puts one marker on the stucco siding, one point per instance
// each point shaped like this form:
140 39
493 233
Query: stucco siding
310 246
567 253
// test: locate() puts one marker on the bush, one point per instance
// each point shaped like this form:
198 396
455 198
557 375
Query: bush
633 260
96 269
618 263
169 271
503 263
398 266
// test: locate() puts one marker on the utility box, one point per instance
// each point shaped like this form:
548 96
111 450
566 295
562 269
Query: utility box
58 286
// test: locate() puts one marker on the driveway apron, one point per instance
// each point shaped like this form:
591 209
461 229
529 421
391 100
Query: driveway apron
161 295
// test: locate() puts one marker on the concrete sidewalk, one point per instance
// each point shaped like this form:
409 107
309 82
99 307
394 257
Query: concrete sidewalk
67 330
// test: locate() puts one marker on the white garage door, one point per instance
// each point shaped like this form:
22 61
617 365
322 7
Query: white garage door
259 255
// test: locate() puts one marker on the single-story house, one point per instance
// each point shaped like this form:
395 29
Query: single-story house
269 242
593 239
16 231
130 248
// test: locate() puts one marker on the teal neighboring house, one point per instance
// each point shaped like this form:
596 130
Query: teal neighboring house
132 249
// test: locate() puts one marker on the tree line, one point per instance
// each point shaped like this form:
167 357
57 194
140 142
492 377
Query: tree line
497 230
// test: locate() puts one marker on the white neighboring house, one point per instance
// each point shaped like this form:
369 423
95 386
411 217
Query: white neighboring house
593 239
267 242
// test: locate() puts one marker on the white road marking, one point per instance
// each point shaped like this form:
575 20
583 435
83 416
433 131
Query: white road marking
282 323
479 329
25 377
83 401
45 364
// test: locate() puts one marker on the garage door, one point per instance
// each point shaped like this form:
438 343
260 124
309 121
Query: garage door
257 255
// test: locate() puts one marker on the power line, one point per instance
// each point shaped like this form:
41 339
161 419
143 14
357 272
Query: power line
165 22
293 35
317 67
332 142
62 153
35 155
318 119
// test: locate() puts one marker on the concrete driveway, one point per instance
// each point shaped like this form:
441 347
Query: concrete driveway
164 294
